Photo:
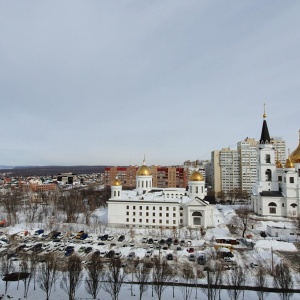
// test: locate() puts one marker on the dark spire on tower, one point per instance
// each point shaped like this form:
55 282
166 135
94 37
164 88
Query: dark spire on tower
265 136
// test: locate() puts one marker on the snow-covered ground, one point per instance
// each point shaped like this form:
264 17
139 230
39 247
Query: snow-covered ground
264 251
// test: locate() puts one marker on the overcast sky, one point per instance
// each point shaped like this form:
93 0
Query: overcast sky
105 82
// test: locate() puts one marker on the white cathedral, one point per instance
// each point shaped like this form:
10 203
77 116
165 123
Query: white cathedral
151 207
277 189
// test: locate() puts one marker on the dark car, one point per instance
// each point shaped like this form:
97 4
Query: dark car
84 236
69 248
88 250
101 244
21 247
263 234
150 241
162 241
121 238
110 254
176 242
104 237
170 256
69 252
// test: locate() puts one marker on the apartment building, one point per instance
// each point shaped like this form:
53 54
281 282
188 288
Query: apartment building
162 177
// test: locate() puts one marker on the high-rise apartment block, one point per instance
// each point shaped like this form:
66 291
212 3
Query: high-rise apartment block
237 169
162 177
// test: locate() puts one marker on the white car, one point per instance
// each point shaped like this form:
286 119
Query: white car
110 238
118 254
149 253
103 253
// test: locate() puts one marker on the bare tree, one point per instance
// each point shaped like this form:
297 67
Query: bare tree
48 274
188 277
162 274
94 276
72 276
236 281
7 266
141 276
243 219
283 280
261 282
114 278
214 271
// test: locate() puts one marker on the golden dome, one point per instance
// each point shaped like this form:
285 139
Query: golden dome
278 164
295 155
289 164
116 182
196 176
143 171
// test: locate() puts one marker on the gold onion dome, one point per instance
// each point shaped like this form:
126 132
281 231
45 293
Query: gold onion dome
116 182
196 176
295 155
289 164
143 171
278 164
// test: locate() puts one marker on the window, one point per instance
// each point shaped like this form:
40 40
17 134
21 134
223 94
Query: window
167 207
181 208
141 207
147 214
282 204
153 221
141 213
196 190
134 213
181 221
268 175
167 221
160 214
174 222
133 207
127 206
167 214
127 220
127 213
160 208
160 221
272 210
153 214
181 214
153 207
279 178
174 215
133 220
268 158
147 207
147 221
291 179
174 208
141 220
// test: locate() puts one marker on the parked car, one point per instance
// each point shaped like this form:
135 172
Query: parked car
263 234
170 256
201 259
110 238
110 254
190 250
69 252
88 250
83 236
150 241
118 254
131 256
148 253
144 240
104 237
39 231
121 238
192 257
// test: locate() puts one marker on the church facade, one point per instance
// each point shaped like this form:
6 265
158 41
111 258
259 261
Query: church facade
151 207
276 192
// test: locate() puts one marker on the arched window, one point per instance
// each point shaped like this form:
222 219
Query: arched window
293 205
196 217
268 175
196 190
272 207
197 213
